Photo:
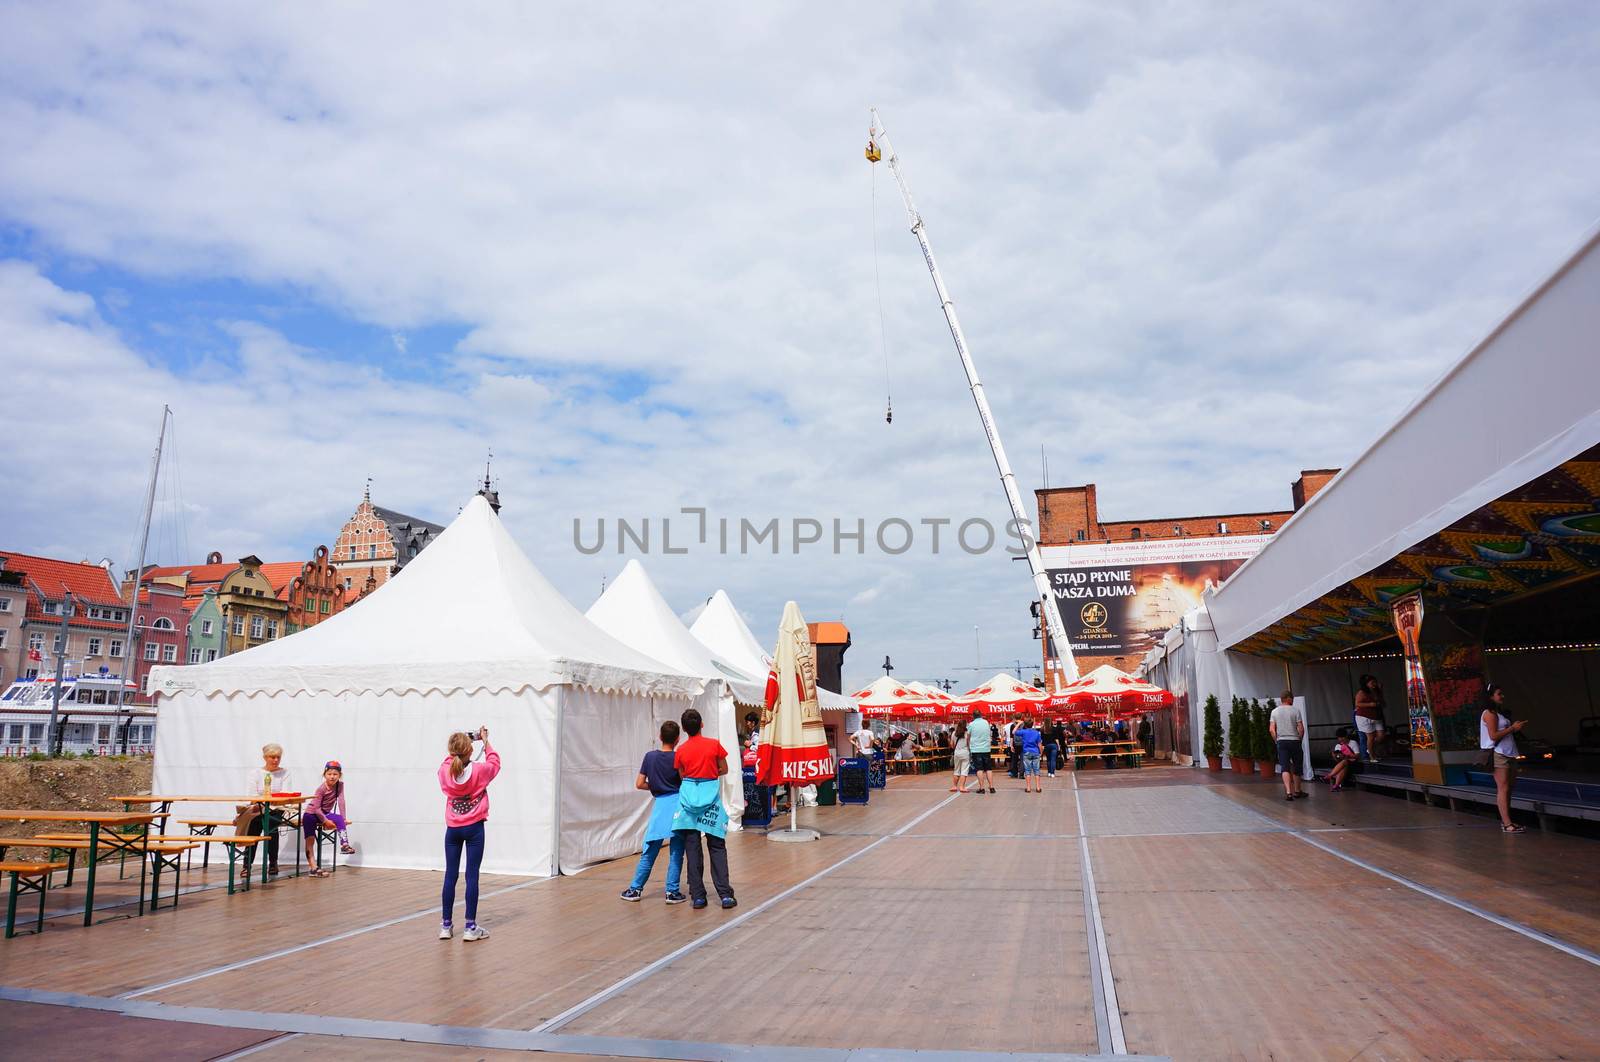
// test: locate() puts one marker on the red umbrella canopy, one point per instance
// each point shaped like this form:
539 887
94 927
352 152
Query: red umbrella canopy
886 699
1004 694
1107 689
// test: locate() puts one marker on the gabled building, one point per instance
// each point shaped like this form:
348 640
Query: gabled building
376 543
251 612
96 629
313 590
206 642
161 631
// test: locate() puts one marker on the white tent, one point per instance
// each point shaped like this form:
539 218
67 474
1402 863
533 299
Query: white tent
467 634
720 627
633 611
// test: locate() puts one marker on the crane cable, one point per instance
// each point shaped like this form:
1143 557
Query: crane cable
877 276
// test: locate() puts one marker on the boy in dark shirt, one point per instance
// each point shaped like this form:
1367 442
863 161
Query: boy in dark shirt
658 775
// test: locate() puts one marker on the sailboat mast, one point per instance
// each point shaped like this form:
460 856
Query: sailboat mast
131 662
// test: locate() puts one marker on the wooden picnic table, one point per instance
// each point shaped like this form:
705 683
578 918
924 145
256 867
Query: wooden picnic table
111 841
166 802
1105 750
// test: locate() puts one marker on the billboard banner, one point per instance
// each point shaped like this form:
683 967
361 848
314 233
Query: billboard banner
1118 598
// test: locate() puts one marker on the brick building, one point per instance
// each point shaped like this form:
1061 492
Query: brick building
161 635
312 590
1072 514
376 543
37 587
1122 582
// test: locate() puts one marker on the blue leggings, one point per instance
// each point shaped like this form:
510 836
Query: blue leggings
454 838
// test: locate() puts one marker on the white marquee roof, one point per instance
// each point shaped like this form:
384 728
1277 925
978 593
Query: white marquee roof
633 611
726 634
1523 400
470 612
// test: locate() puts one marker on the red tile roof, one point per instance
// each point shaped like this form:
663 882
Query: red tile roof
205 574
279 573
53 578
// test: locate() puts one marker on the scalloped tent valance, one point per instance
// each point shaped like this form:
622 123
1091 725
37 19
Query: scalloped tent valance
471 612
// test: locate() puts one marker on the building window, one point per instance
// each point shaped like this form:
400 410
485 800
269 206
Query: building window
5 604
149 650
15 737
324 607
164 624
35 643
205 628
255 626
347 582
116 647
169 654
1136 533
1222 527
238 626
194 656
35 733
1266 525
94 646
3 633
102 734
372 553
119 615
211 654
55 643
272 628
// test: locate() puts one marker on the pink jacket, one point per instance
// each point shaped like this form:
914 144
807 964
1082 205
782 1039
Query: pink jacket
468 802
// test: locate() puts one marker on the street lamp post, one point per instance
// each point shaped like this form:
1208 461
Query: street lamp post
61 661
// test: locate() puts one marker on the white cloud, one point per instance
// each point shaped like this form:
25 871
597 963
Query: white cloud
1193 252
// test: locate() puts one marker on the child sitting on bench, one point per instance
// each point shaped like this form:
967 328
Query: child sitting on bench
326 807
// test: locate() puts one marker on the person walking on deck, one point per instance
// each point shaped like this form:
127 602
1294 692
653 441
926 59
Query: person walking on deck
1497 733
980 738
701 762
659 776
1288 730
1031 744
1369 716
960 760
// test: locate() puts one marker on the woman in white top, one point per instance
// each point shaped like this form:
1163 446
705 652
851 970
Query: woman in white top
1496 731
265 780
960 760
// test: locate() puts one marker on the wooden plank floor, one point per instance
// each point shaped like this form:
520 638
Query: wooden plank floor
923 943
1268 948
962 928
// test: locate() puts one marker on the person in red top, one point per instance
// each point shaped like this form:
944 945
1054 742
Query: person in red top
701 762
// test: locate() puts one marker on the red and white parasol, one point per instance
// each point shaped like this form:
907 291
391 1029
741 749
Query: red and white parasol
1004 694
888 698
1107 690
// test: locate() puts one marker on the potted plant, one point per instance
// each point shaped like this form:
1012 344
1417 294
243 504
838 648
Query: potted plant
1213 734
1239 740
1265 747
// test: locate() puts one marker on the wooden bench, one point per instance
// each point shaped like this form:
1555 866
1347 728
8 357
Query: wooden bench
27 877
1451 794
204 828
164 853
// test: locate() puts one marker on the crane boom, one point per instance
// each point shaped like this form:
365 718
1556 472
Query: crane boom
879 144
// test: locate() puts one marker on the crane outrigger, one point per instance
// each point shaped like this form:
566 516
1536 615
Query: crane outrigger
878 148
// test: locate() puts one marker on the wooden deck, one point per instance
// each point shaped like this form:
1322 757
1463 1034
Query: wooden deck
1232 925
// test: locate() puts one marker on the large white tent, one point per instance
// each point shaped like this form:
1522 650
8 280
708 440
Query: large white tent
723 630
633 611
467 634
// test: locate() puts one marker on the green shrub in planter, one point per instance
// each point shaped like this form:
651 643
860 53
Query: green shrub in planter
1261 743
1238 731
1213 727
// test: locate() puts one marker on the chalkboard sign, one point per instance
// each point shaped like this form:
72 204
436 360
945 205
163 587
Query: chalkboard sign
757 800
854 782
878 771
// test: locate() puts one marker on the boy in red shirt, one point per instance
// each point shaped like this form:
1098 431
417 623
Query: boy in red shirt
701 762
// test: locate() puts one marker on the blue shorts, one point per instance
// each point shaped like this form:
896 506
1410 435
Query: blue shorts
1030 763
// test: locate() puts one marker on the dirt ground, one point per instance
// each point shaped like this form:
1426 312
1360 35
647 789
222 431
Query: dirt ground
71 784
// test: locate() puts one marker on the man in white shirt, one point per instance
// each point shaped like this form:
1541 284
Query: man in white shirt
1288 727
863 740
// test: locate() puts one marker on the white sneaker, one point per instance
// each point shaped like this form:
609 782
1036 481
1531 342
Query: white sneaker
475 933
444 932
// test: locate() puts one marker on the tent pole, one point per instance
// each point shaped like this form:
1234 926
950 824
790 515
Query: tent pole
555 847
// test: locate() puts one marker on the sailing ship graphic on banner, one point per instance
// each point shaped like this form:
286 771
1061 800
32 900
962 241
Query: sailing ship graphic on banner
1118 598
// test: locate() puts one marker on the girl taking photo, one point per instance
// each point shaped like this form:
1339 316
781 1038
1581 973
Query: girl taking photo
466 807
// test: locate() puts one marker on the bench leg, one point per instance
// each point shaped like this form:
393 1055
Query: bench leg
11 908
44 886
1544 821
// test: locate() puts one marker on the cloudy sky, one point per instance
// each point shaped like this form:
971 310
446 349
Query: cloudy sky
631 249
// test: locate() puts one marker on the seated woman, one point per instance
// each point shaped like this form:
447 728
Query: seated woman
1345 754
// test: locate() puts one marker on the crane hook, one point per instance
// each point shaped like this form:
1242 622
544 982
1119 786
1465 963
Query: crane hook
873 154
